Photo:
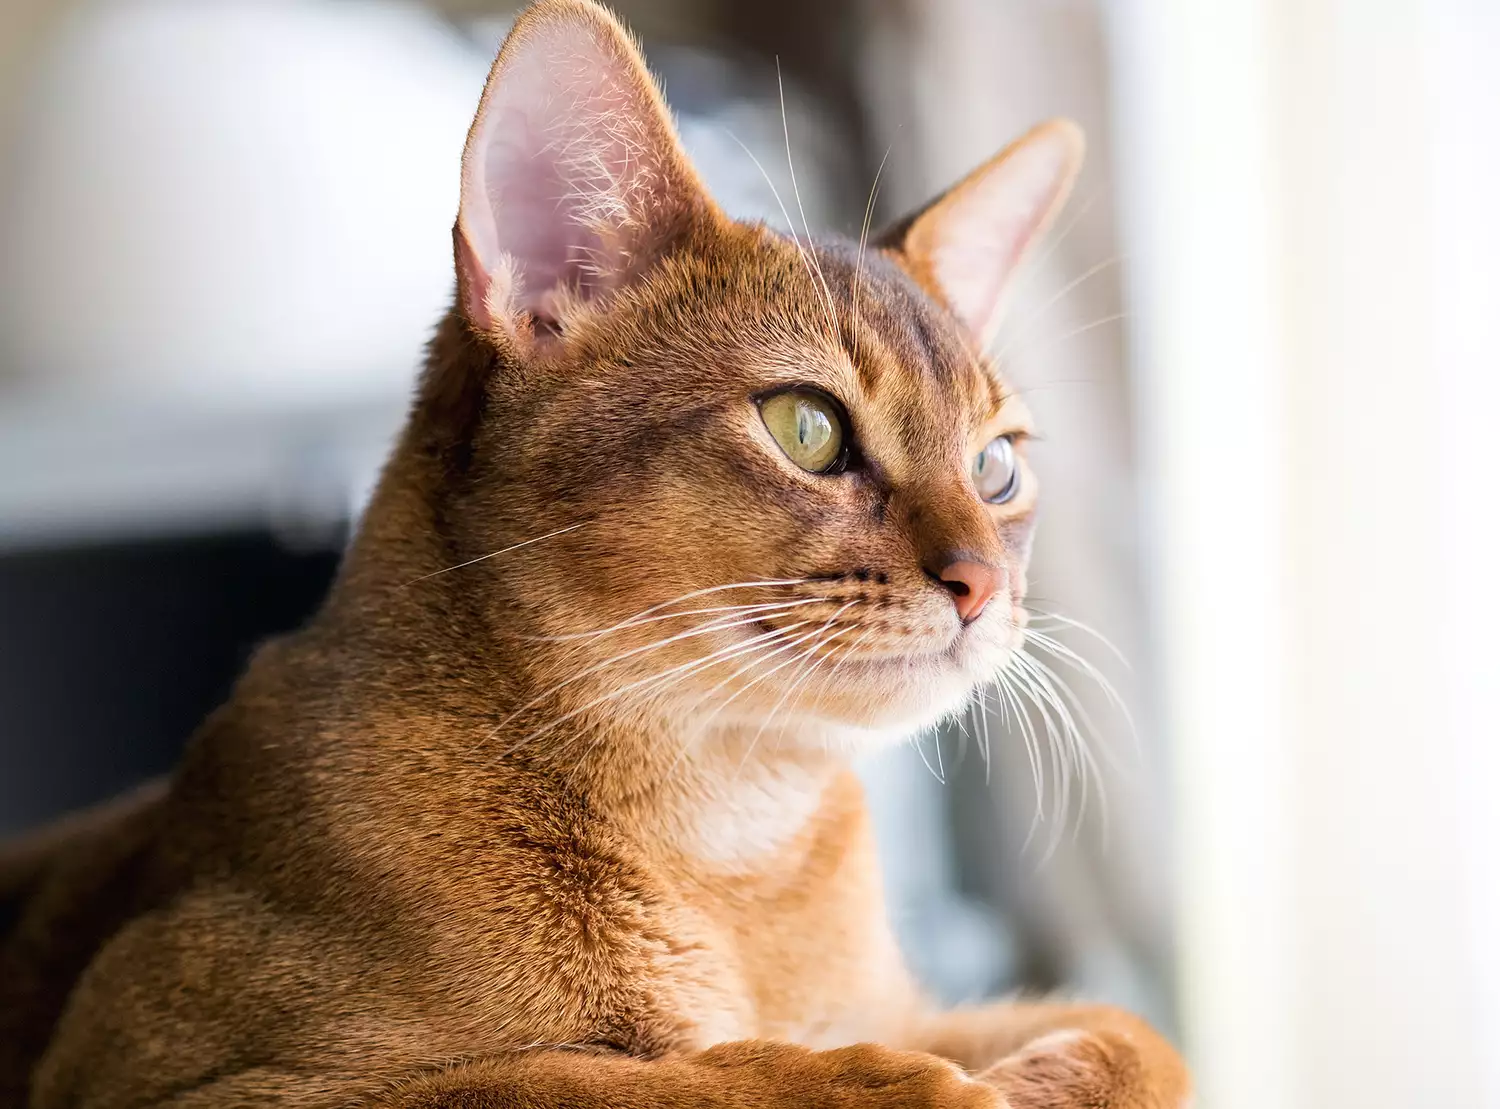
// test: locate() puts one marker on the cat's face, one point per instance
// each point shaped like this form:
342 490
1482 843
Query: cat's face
656 427
793 488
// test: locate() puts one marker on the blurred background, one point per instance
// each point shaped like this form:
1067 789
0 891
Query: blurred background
1263 343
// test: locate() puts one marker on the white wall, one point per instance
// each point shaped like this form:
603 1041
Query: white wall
1466 312
1306 201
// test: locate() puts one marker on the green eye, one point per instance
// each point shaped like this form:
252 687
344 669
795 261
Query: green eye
806 425
997 476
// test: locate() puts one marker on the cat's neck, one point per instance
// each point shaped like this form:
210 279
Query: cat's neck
727 800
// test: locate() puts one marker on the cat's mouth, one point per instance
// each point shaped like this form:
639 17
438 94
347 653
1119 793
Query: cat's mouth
894 641
892 672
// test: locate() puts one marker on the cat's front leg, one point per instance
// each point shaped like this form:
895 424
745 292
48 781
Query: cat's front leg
1055 1056
757 1073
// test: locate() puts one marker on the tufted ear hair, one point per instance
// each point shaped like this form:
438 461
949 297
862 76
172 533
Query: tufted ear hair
964 247
573 175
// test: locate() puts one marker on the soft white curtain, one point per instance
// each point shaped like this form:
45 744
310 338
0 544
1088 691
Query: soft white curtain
1308 199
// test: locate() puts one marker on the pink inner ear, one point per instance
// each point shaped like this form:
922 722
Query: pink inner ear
562 170
534 222
985 230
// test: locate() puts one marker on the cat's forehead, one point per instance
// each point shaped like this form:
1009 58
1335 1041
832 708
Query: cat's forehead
859 326
918 391
753 309
900 339
758 287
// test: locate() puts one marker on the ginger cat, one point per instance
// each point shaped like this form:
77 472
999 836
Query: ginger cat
548 806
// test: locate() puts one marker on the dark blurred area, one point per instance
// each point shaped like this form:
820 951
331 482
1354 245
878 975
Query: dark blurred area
112 655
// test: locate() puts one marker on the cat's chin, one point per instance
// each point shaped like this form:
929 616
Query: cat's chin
886 701
876 702
914 695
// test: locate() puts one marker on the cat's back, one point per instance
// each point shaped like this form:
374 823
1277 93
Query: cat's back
64 891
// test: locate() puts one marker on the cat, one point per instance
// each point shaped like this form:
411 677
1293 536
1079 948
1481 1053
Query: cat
549 805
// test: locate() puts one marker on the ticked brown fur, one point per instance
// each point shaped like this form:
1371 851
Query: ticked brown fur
469 839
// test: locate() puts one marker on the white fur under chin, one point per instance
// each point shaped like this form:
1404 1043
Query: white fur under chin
751 813
932 692
914 697
746 794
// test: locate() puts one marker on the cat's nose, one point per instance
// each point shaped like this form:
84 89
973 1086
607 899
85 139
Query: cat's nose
972 585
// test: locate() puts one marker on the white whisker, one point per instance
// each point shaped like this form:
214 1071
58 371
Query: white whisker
657 684
984 732
692 666
696 593
707 628
812 654
797 195
763 607
1051 302
1033 754
797 680
744 689
1074 333
859 258
1089 737
1056 750
1034 266
1087 630
791 227
763 654
501 551
1081 754
916 742
1078 663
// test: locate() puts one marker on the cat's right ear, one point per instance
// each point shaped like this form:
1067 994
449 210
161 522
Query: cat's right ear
573 175
965 247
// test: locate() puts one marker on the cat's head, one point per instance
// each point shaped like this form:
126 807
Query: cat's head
776 478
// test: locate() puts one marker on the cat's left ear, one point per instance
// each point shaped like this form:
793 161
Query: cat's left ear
965 246
573 176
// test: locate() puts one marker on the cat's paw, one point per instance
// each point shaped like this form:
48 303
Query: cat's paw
864 1076
1091 1070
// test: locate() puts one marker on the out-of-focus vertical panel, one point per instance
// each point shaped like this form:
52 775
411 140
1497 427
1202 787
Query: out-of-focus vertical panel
1383 1001
1464 300
1306 279
1194 138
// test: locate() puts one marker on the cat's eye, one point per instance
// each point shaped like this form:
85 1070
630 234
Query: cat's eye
996 474
808 426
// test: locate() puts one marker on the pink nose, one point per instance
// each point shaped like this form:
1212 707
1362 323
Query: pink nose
972 585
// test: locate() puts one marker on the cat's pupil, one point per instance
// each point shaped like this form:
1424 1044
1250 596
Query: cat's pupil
814 429
806 426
